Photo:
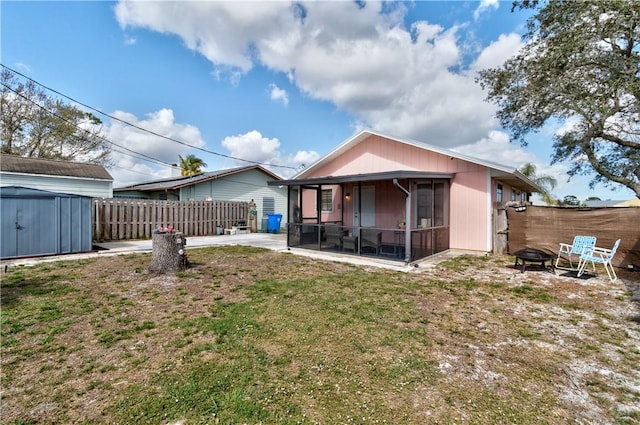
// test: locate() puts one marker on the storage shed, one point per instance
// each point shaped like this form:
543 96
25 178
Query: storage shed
36 222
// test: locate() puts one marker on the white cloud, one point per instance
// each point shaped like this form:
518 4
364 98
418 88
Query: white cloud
253 146
23 67
404 81
128 170
498 52
279 95
484 6
222 31
497 148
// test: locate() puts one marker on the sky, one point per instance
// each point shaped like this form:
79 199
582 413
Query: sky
277 83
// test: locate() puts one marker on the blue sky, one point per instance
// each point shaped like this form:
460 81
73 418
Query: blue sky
275 82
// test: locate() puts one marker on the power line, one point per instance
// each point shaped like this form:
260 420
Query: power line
144 129
149 158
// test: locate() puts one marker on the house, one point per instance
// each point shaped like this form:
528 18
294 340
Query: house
55 176
399 199
233 184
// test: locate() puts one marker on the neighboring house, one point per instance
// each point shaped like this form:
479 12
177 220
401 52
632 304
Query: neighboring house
56 176
635 202
234 184
399 199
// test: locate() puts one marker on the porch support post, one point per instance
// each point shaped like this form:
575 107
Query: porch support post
407 228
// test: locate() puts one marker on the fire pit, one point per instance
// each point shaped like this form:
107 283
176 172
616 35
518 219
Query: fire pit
532 255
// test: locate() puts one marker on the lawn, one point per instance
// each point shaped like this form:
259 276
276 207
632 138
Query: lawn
248 336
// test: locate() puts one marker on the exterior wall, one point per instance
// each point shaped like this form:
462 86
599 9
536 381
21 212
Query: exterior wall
172 195
389 204
469 213
377 154
309 206
245 186
131 194
59 184
469 210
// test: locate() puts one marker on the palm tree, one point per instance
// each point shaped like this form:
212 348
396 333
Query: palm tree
191 165
547 183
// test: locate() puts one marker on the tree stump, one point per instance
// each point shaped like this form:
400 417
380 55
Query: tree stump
168 253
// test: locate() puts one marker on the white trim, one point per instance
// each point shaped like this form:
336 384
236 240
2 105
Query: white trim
57 176
364 134
490 217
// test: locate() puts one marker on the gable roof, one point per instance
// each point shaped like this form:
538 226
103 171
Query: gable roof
173 183
50 167
505 173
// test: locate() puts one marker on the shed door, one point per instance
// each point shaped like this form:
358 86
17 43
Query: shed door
29 227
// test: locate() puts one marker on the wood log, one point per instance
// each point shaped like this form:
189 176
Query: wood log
168 253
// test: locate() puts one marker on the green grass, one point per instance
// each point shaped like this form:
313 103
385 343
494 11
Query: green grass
251 336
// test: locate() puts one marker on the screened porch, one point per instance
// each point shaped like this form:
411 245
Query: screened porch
401 216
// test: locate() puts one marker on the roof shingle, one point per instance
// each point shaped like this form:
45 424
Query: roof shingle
19 164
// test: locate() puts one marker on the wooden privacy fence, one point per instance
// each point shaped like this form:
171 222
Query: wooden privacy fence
116 218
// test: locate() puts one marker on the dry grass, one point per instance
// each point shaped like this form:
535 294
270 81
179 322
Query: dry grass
252 336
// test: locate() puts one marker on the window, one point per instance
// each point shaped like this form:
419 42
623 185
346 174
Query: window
523 197
432 204
327 200
499 193
268 205
514 195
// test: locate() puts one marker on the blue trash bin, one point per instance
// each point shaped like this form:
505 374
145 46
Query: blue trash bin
274 223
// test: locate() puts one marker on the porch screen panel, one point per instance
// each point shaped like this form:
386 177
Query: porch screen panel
440 210
424 204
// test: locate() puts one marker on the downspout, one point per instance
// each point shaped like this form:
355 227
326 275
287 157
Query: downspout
407 213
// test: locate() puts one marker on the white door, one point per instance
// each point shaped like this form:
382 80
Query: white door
367 214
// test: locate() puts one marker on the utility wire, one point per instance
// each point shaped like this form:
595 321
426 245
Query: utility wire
150 158
144 129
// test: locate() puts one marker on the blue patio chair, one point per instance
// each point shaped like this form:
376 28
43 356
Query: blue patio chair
579 245
599 255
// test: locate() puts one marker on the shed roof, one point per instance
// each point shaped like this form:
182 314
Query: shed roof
505 173
173 183
50 167
27 192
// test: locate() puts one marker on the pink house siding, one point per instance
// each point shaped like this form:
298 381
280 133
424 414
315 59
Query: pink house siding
377 154
469 215
470 218
451 202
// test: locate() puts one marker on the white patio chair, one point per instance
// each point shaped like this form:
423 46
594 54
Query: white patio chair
599 255
579 245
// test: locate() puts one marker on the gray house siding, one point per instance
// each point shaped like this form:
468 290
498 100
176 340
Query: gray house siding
154 196
241 184
60 184
245 186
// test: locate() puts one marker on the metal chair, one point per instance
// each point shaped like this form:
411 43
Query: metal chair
599 255
371 238
579 245
333 234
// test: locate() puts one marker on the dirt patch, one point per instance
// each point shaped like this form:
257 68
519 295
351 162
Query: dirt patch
489 332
